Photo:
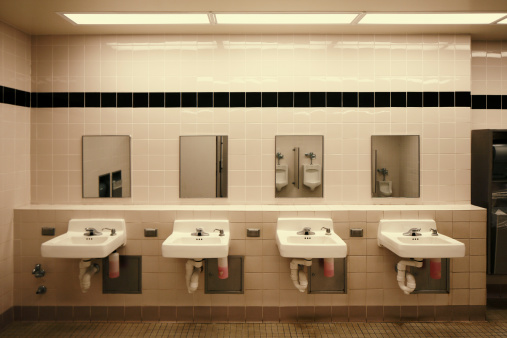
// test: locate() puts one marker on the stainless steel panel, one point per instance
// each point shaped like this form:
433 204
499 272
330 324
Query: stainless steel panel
318 283
232 285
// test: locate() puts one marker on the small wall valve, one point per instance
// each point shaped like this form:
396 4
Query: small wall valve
38 272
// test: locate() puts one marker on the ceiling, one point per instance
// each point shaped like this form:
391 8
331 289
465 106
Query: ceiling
39 17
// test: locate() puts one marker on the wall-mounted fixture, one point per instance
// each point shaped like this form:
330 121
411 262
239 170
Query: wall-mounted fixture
38 271
41 290
489 190
297 175
203 166
106 166
395 166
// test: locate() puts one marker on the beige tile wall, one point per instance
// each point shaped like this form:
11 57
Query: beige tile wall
251 63
15 49
371 278
489 77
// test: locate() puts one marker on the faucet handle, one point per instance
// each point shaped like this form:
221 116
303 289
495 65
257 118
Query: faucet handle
221 232
433 232
328 230
307 229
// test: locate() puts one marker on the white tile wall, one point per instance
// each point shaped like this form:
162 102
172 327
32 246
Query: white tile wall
251 63
489 77
15 49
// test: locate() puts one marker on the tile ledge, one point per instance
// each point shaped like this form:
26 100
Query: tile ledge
253 208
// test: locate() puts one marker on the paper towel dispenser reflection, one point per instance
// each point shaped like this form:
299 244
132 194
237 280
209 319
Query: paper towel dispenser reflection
499 161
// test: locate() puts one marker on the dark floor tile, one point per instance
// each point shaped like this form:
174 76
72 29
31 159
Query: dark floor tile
237 314
374 314
115 313
460 313
133 314
288 314
64 313
253 314
477 313
443 313
357 313
30 313
323 314
18 313
392 313
202 314
185 314
408 313
82 313
168 313
98 314
47 313
271 314
219 314
306 314
340 314
150 313
426 313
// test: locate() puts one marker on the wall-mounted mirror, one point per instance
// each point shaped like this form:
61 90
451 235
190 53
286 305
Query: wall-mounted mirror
299 166
395 166
203 166
106 166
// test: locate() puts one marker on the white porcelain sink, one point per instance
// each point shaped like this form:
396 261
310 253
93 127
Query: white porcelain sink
75 244
182 244
390 235
318 245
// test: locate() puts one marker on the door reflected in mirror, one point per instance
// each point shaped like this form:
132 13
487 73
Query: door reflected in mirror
395 166
106 166
203 166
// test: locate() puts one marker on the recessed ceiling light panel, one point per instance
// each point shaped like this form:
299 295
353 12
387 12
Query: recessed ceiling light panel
285 18
137 18
431 18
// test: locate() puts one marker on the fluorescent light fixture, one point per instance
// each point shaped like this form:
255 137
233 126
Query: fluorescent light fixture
137 18
284 18
431 18
503 21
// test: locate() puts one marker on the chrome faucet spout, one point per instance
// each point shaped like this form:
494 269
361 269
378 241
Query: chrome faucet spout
92 232
413 232
306 231
199 232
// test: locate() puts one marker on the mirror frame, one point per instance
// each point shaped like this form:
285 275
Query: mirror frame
83 164
373 173
221 164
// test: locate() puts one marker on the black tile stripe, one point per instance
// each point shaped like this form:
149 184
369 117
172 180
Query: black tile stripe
249 99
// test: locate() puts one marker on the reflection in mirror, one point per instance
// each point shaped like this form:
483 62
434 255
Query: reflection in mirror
106 166
395 166
299 166
203 166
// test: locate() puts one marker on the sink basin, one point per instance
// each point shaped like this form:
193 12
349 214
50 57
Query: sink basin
181 244
75 244
319 245
390 235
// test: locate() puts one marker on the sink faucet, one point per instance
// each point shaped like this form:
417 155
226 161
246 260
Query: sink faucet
221 232
328 230
92 232
199 232
113 231
413 232
306 231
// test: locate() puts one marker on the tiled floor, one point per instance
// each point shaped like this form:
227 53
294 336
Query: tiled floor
495 326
